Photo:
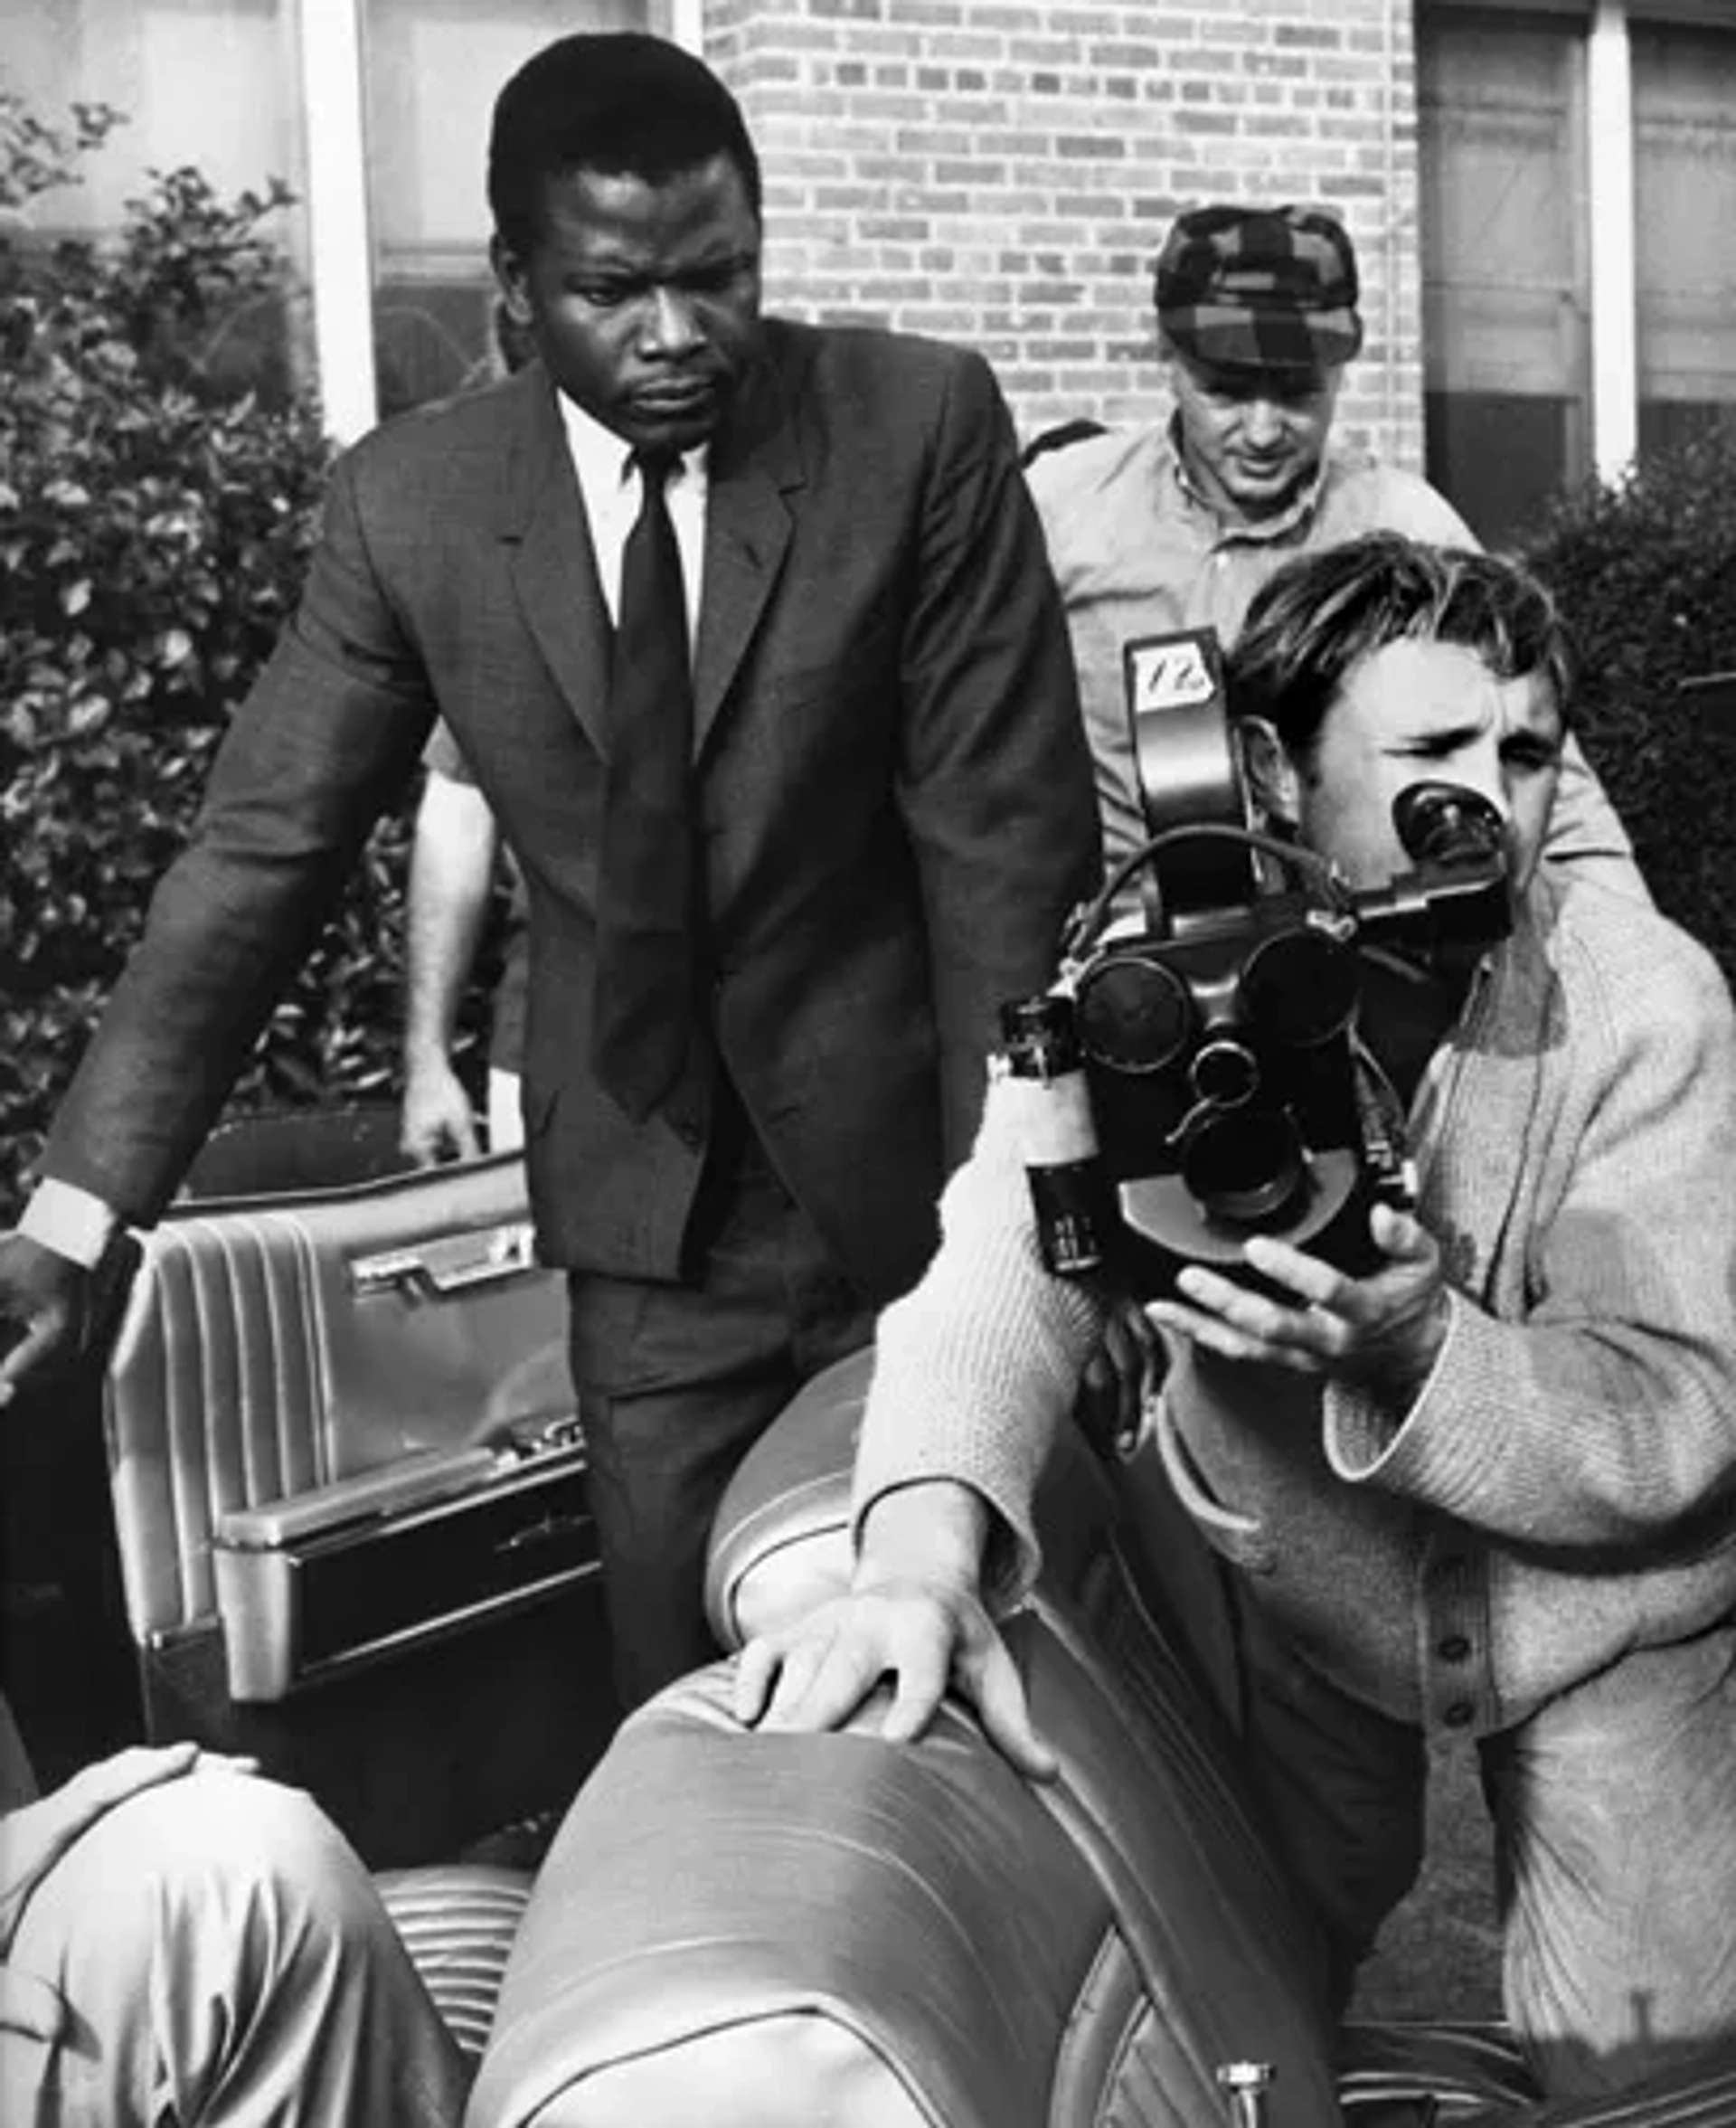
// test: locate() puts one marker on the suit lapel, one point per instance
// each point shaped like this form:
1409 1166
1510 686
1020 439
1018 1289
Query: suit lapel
553 563
748 527
754 468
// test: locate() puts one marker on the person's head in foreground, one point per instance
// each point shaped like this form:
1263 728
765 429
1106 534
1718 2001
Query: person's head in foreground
1257 318
625 196
1385 663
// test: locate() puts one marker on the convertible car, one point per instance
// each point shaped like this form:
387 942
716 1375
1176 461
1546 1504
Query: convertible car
348 1496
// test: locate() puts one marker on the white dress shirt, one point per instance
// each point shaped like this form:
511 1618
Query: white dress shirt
610 489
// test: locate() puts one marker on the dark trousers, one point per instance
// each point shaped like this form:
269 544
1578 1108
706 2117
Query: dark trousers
1343 1787
677 1381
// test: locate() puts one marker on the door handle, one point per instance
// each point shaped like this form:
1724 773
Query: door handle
450 1264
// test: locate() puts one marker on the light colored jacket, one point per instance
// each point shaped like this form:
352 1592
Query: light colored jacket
1563 1489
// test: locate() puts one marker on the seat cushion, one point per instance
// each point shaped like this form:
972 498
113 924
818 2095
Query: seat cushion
908 1934
1460 2068
1473 2076
459 1922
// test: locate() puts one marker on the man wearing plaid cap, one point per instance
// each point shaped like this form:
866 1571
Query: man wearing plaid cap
1167 528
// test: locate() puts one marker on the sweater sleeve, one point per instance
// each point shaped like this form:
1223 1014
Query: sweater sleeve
1605 1416
978 1366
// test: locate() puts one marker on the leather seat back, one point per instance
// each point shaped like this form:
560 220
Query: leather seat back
843 1930
781 1542
774 1930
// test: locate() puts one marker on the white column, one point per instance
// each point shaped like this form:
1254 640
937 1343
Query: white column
1615 349
329 51
687 25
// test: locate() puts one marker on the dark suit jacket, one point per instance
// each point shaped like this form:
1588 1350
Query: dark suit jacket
896 795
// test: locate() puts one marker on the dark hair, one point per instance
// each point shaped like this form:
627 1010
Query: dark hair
1322 614
619 102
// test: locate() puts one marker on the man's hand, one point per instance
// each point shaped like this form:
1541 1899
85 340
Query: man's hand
913 1614
34 1837
925 1636
44 1296
437 1123
1126 1367
1384 1330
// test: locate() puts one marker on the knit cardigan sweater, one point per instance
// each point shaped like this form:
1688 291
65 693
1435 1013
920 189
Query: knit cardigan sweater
1563 1488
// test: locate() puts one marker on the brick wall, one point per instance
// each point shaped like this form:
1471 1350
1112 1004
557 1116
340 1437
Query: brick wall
1002 171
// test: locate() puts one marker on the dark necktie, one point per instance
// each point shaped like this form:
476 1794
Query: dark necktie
643 1005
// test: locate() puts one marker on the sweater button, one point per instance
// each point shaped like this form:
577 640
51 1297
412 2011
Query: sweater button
1454 1648
1459 1715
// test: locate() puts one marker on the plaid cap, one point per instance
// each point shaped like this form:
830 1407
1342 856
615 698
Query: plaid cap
1259 288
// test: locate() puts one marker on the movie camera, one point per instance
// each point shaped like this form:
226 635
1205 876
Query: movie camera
1198 1072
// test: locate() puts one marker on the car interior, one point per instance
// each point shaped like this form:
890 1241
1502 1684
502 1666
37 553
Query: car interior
343 1526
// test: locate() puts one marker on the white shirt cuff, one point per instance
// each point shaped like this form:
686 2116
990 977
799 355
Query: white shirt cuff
69 1220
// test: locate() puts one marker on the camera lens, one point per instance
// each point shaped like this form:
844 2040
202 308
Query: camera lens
1446 824
1135 1014
1299 987
1244 1165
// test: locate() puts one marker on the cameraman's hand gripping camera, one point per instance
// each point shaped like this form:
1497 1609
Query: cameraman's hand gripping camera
1202 1074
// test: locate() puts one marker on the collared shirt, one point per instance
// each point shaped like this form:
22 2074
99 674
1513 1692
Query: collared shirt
1137 551
610 486
76 1224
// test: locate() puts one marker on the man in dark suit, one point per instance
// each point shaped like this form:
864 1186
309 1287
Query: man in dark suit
762 983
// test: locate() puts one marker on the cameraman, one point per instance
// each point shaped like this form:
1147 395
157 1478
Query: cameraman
1488 1490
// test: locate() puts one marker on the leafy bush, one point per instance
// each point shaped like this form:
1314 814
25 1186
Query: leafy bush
159 486
1645 572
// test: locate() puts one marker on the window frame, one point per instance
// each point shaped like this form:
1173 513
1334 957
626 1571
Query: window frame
1612 201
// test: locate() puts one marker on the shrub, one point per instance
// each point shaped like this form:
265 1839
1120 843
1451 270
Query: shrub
159 486
1645 572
